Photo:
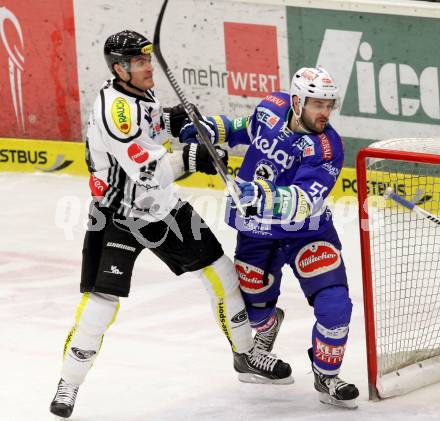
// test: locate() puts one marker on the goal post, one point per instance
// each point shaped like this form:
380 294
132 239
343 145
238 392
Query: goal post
398 183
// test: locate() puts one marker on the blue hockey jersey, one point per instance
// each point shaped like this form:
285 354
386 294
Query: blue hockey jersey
310 161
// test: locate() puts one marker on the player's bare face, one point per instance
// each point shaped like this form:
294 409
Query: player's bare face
316 113
141 70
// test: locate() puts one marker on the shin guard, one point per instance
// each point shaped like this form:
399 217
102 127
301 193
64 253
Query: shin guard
330 332
221 281
94 315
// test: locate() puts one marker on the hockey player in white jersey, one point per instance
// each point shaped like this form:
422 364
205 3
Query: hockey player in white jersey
135 207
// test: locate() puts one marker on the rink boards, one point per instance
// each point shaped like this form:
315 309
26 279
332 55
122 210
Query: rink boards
24 155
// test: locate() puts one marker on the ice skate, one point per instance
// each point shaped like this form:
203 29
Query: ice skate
266 340
257 366
334 391
64 400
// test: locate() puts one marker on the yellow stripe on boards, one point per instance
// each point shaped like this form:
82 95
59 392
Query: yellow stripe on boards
217 286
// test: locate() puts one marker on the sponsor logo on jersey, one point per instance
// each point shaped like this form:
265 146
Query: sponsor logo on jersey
267 117
284 132
333 171
317 258
309 151
137 154
251 278
279 102
327 152
82 354
265 170
329 354
256 227
269 148
97 187
306 145
121 115
240 317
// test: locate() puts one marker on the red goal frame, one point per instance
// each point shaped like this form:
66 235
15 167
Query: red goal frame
367 280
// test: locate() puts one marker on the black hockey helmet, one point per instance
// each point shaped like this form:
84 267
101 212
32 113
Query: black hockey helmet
120 47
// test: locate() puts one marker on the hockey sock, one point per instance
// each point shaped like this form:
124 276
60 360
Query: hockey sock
329 337
94 315
270 324
221 281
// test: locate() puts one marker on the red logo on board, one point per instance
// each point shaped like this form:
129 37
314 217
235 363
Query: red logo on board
137 154
38 71
251 59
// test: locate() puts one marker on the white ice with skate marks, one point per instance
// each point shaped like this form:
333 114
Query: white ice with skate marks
165 358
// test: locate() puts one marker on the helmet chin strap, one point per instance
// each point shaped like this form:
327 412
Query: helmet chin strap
131 85
299 122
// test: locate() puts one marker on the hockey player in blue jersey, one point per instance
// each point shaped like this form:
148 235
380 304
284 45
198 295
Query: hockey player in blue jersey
292 163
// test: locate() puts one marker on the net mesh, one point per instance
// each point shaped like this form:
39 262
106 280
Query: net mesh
405 255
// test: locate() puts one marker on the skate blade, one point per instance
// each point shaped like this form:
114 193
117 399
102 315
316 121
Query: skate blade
256 379
329 400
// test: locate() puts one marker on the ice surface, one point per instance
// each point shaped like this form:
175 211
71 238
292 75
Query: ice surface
165 358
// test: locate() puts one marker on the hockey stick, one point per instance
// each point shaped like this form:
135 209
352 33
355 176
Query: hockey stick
231 185
389 194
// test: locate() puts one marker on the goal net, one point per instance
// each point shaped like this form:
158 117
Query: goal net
400 263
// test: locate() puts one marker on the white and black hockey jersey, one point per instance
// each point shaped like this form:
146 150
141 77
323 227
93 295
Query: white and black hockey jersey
130 169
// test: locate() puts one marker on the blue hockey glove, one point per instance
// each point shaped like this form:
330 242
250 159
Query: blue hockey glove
216 128
262 198
257 197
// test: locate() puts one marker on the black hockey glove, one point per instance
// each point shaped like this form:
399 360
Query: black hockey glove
174 118
196 158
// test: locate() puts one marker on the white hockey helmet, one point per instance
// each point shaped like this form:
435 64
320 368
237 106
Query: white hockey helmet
312 82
